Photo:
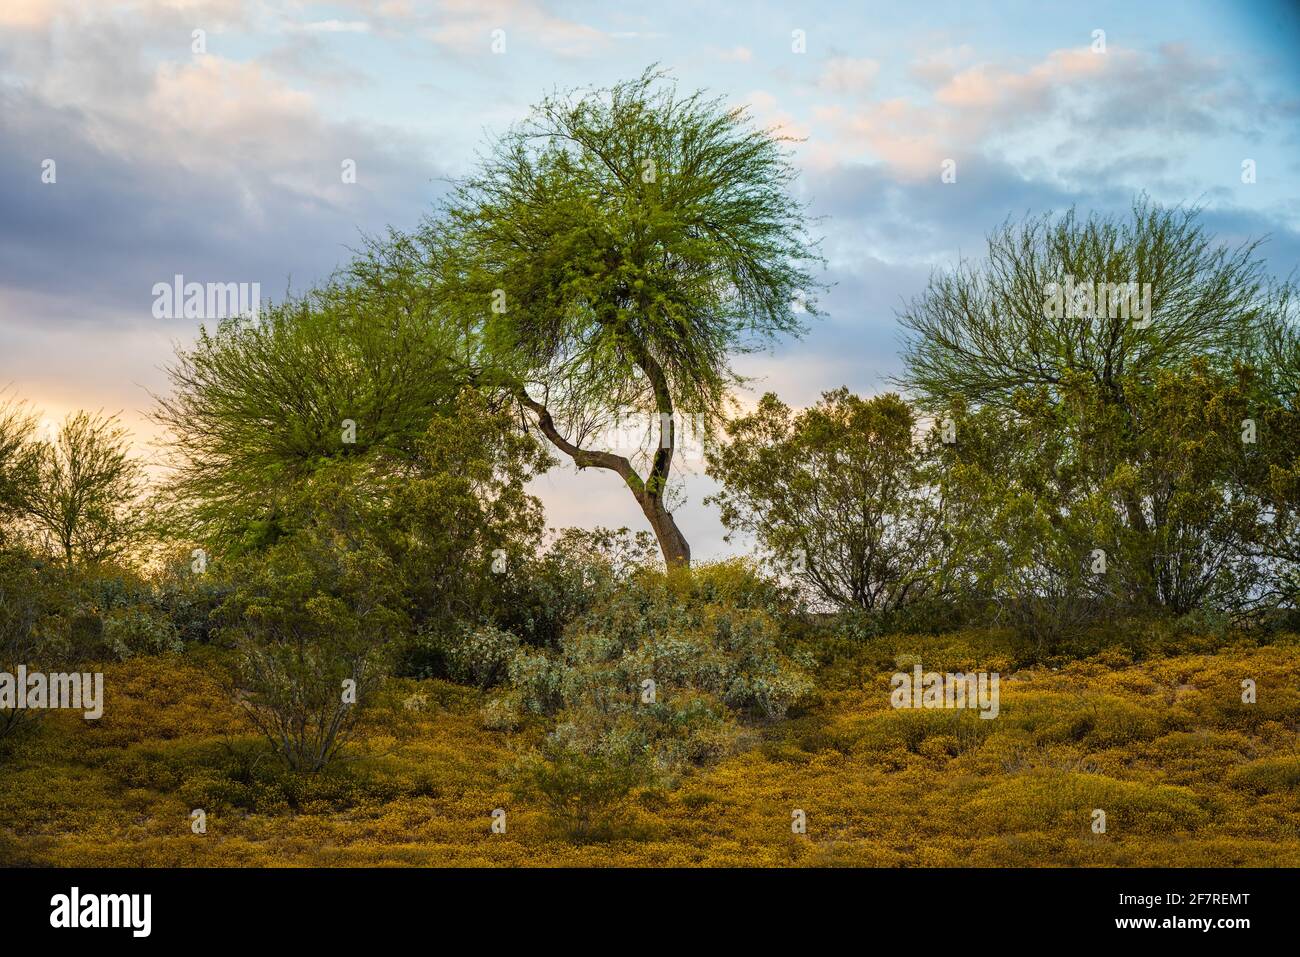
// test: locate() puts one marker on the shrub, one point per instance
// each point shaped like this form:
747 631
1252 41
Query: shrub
23 610
314 625
707 638
1268 775
578 570
470 654
583 791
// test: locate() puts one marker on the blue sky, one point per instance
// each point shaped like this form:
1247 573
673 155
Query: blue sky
225 165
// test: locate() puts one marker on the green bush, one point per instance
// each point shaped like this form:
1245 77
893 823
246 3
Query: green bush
470 654
315 628
584 792
578 570
709 639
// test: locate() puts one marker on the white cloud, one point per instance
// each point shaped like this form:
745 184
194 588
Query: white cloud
466 26
848 75
336 26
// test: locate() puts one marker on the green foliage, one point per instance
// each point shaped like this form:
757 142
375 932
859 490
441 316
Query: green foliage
1175 500
472 654
258 405
81 498
708 638
612 252
838 496
584 792
1089 432
18 461
459 509
578 569
982 333
315 621
25 602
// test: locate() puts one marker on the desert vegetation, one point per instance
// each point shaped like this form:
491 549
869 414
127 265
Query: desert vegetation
336 628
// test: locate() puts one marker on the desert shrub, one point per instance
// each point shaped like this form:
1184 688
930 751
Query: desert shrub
139 630
190 598
1270 775
838 496
315 627
584 791
105 612
24 608
655 679
1042 800
715 629
470 654
665 668
577 570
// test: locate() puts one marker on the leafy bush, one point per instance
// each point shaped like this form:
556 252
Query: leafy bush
24 608
666 665
314 624
472 654
839 496
577 570
584 791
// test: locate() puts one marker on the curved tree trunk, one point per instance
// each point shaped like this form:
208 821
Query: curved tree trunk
648 492
676 550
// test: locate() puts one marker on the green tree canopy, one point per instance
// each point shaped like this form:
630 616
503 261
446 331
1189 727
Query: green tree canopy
258 405
613 252
1114 414
984 331
18 456
84 491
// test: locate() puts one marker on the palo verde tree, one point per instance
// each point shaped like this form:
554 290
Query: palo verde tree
1068 336
613 253
19 454
352 370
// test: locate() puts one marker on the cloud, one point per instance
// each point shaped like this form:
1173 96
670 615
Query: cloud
767 111
1084 97
194 159
736 55
336 26
848 75
27 14
466 26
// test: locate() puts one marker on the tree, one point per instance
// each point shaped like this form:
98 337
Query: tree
1035 505
838 494
259 404
18 455
1275 476
612 253
1076 326
84 497
458 520
985 332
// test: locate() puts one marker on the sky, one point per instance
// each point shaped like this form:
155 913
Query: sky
208 138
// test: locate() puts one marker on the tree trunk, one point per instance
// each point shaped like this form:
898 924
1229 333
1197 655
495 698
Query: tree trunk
676 550
648 494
